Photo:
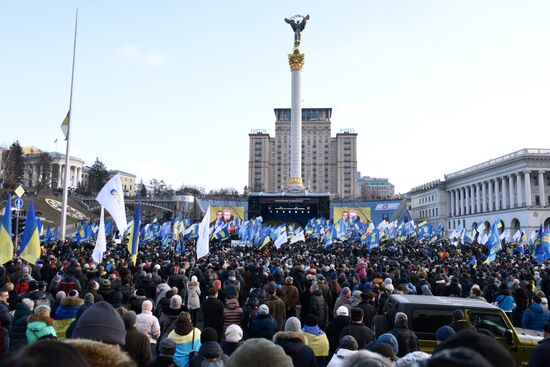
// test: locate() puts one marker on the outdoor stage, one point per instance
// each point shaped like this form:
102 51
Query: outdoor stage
285 207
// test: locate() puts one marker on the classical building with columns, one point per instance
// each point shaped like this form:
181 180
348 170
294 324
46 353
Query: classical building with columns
514 188
33 167
429 203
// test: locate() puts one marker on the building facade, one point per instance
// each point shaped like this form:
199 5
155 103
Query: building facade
429 203
128 181
329 164
514 188
34 168
372 188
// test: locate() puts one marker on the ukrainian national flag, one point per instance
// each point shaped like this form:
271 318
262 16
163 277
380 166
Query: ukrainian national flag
494 239
6 243
133 239
473 262
30 243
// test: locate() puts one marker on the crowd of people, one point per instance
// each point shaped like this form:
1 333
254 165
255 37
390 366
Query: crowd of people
301 305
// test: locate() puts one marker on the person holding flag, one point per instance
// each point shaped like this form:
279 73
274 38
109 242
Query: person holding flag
133 239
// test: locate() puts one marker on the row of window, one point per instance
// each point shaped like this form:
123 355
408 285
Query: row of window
428 213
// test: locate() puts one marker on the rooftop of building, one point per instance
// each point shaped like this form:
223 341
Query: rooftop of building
426 186
113 172
308 114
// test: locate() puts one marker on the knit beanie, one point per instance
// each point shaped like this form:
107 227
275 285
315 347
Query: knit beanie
263 310
234 333
194 278
390 339
147 305
209 334
129 319
444 332
293 324
212 349
348 342
183 325
167 347
175 302
457 357
259 349
342 311
101 322
311 320
88 298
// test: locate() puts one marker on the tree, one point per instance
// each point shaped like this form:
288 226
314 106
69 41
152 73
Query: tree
45 169
98 176
190 190
142 190
13 165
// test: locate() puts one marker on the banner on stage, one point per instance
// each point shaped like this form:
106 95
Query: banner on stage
362 213
225 214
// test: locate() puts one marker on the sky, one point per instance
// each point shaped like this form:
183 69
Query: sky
171 89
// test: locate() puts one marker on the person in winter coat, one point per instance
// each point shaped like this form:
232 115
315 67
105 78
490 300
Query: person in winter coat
276 307
264 325
233 339
346 347
18 338
169 316
40 325
212 310
294 343
318 306
362 334
316 339
541 354
65 314
505 301
453 289
148 324
232 312
137 344
187 338
344 299
459 323
165 358
210 352
250 312
193 298
290 297
335 327
535 316
406 338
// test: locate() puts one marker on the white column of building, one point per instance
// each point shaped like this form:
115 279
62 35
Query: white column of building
471 194
478 197
528 199
497 195
456 202
542 194
490 195
519 189
451 204
467 196
79 175
511 191
459 202
504 193
484 197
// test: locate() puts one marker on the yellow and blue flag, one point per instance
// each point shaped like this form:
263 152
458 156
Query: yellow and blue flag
473 262
542 245
30 243
6 242
133 241
494 239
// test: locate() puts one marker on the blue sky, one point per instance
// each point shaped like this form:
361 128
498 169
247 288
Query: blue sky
171 89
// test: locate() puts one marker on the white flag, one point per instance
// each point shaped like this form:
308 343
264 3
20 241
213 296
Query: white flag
517 235
282 239
298 237
101 243
203 243
111 197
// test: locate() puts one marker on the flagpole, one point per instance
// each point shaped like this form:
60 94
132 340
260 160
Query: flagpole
67 156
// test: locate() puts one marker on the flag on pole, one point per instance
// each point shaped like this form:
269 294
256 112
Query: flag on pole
281 240
101 243
298 237
111 197
203 243
6 243
133 241
65 124
30 243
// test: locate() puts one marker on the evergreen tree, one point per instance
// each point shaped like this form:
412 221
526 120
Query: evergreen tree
98 176
13 165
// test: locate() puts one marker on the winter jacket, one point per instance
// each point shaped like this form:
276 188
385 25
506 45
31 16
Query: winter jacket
229 347
148 325
5 316
506 303
212 310
339 357
18 339
185 344
535 317
193 296
231 313
541 354
333 330
39 327
167 321
295 346
65 314
318 307
317 340
406 338
362 334
339 303
137 346
460 325
263 326
290 296
100 354
277 309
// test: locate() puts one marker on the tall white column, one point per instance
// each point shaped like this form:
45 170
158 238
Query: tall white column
528 199
472 205
296 61
519 190
504 193
460 201
497 195
478 198
456 202
484 197
511 191
542 194
490 195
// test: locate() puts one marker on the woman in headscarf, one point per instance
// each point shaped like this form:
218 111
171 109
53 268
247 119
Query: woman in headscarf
344 299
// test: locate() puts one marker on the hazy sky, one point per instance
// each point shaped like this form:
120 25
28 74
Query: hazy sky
170 89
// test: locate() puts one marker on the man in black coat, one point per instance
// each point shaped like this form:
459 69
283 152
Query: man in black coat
406 338
335 327
369 311
541 354
362 334
212 310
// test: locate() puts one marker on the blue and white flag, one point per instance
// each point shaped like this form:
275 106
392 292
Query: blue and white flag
203 243
111 197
